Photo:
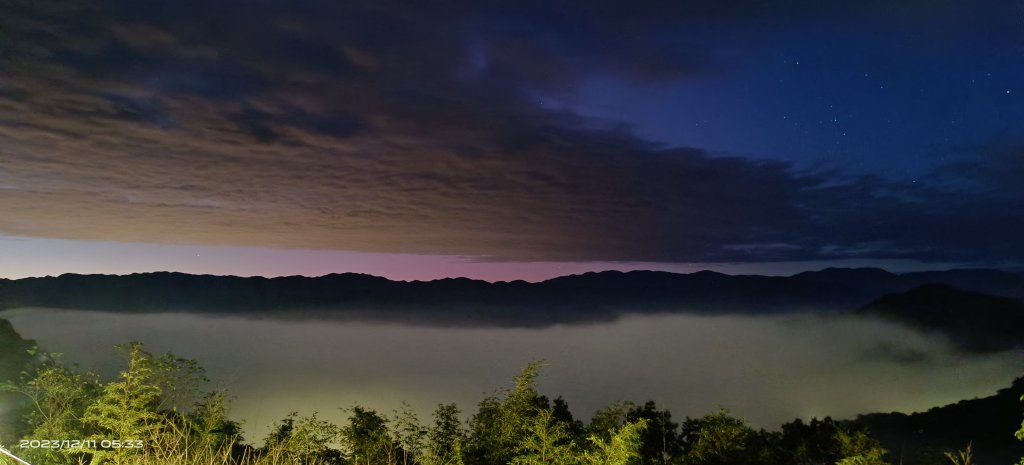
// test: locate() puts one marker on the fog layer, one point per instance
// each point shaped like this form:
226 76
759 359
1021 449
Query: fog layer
766 369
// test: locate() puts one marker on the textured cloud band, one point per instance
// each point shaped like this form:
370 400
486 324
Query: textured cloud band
379 127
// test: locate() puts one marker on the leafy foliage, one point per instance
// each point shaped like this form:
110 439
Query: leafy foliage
17 357
859 448
621 448
610 418
211 424
502 423
717 439
964 457
444 438
1020 434
368 439
126 410
548 442
304 440
58 397
811 443
410 435
659 440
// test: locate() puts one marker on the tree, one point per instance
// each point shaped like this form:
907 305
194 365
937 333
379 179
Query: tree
560 412
812 443
126 410
660 441
444 438
1020 434
368 440
859 448
609 419
58 398
410 435
717 439
548 443
311 439
621 448
483 442
303 440
180 381
963 457
210 423
502 422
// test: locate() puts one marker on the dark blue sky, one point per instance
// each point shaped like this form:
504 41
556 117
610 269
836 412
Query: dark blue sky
587 134
864 95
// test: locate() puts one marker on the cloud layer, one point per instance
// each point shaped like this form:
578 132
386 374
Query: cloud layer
767 370
382 127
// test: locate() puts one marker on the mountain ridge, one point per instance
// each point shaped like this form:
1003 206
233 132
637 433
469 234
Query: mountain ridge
583 298
904 298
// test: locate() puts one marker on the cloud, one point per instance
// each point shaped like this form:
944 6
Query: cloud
768 370
391 128
889 352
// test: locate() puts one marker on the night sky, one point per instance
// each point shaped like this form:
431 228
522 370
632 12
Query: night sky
521 139
507 140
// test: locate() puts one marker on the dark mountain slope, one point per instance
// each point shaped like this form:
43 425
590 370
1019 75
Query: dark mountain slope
464 302
975 321
988 423
14 357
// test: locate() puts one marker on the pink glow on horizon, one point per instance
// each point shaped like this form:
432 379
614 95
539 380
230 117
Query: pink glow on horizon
25 257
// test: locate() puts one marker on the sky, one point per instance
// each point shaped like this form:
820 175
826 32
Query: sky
509 140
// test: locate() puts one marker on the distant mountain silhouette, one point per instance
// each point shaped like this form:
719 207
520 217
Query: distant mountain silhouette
585 298
975 321
988 423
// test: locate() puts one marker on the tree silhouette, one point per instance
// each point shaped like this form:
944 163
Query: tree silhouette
717 439
660 440
368 440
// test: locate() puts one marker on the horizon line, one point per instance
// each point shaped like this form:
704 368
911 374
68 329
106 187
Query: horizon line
569 275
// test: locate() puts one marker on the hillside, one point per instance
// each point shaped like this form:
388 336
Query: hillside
463 302
987 422
14 357
975 321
